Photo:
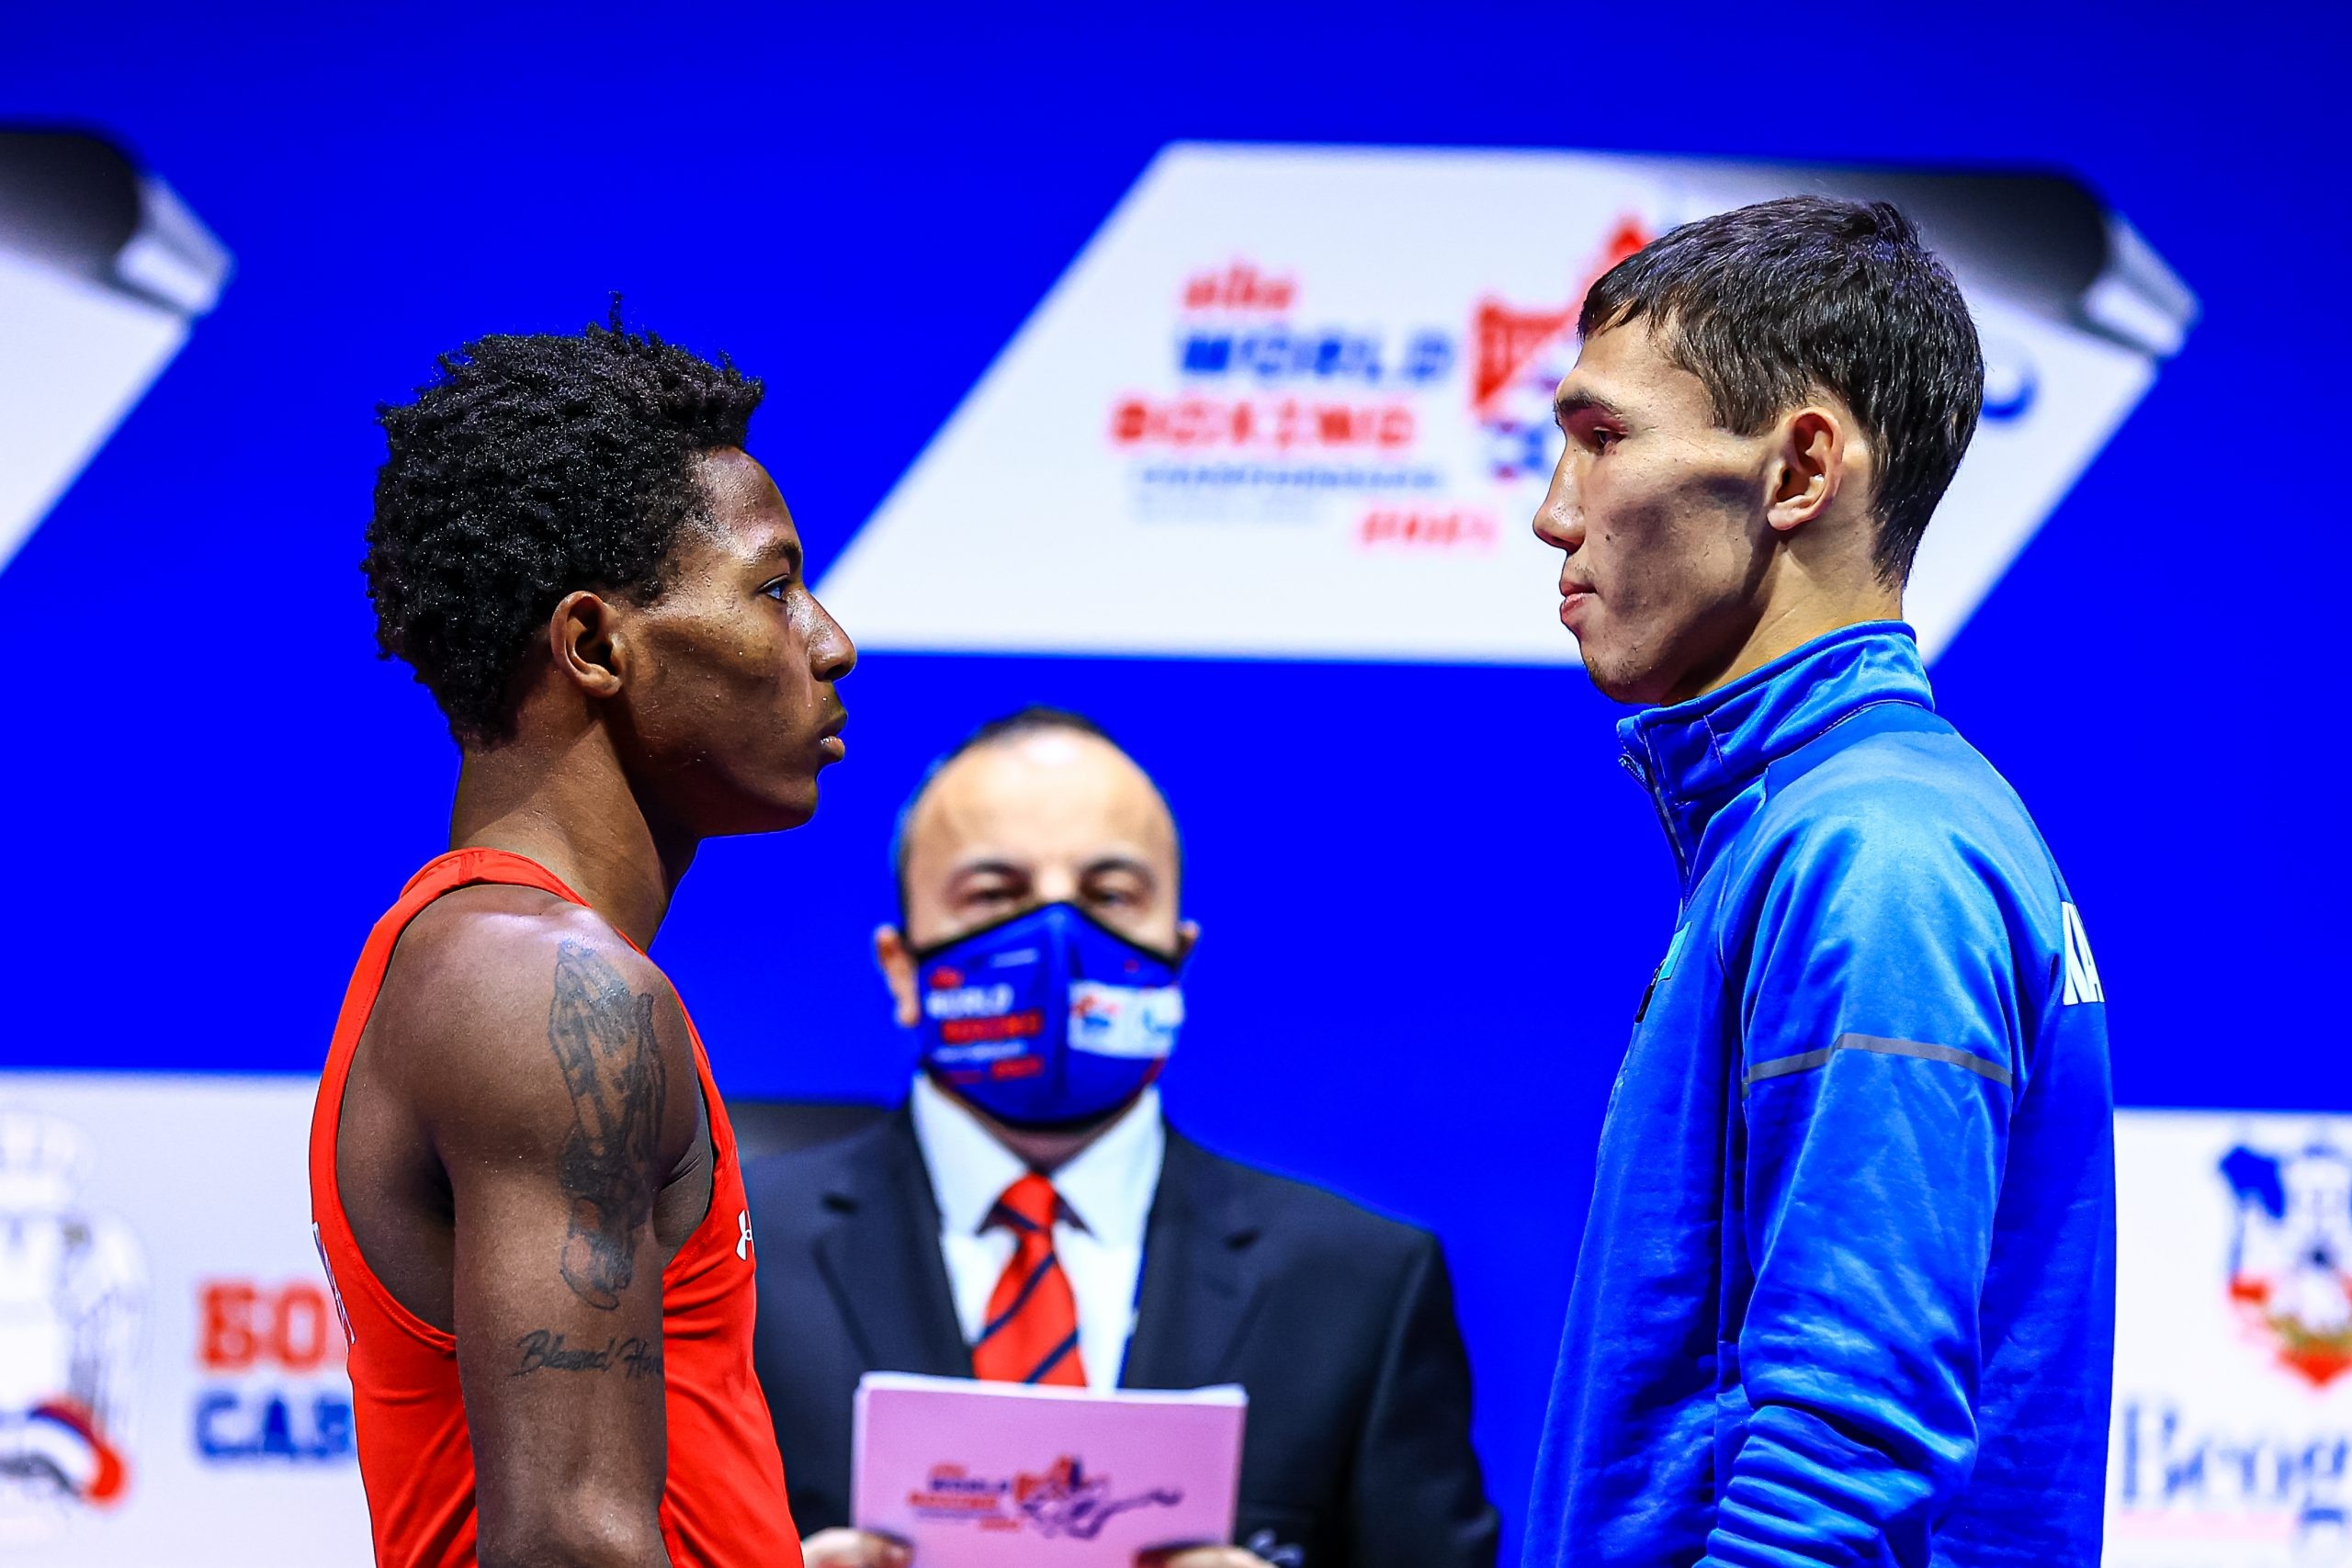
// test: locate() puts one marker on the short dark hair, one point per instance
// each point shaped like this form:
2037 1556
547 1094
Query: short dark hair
1766 304
1035 719
531 467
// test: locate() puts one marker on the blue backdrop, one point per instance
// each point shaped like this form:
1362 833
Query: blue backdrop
213 787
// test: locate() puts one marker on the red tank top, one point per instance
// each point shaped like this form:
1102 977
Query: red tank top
723 1506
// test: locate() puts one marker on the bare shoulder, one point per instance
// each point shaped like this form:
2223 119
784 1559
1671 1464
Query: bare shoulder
505 1005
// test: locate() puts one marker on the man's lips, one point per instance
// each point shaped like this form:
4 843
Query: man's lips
1573 597
829 739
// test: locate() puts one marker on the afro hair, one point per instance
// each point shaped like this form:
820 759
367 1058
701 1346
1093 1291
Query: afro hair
533 467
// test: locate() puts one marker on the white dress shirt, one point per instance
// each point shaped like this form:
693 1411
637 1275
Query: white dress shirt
1106 1191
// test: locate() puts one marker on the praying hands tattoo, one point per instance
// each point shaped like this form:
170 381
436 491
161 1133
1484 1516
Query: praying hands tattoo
603 1037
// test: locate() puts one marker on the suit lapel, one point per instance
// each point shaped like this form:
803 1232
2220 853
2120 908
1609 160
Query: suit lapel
880 1258
1201 1286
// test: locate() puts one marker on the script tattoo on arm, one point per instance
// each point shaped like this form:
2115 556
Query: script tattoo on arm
544 1351
603 1037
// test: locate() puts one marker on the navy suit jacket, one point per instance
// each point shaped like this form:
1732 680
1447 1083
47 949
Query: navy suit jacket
1339 1322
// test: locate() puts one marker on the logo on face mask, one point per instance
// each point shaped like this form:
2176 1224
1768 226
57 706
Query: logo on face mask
1047 1017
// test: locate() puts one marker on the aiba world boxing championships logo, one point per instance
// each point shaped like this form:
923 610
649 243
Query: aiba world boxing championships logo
1065 1501
1289 412
72 1290
2290 1255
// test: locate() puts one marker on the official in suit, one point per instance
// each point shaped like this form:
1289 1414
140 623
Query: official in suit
1028 1215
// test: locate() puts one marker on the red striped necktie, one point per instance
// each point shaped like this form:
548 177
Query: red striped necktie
1031 1334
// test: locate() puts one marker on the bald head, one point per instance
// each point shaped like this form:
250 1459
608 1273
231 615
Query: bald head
1041 817
1037 816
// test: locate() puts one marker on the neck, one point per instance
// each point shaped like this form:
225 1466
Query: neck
1787 623
567 804
1047 1150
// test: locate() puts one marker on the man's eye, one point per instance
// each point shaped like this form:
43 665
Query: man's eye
1600 438
778 589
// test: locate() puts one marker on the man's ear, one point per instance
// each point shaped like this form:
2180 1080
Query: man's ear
1808 469
588 646
898 966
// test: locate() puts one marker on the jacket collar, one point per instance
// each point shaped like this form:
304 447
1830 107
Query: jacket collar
1694 757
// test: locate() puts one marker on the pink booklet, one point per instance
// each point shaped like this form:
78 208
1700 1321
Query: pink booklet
1003 1475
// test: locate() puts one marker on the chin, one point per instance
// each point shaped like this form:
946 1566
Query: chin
791 811
1636 688
768 812
1616 691
1603 671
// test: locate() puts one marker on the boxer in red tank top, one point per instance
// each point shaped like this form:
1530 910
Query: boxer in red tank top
522 1176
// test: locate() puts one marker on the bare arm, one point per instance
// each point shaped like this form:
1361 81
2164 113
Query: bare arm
562 1098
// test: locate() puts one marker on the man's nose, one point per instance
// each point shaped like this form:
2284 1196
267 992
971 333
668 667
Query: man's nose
831 653
1556 521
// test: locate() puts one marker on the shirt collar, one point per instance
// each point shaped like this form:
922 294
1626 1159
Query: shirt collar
1108 1185
1696 756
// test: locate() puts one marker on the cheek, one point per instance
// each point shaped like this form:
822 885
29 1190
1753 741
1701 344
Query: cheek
1666 528
713 666
1629 516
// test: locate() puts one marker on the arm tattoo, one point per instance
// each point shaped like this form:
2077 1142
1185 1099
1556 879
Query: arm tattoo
544 1351
603 1037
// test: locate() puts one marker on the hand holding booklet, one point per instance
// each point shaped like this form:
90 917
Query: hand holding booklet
1009 1475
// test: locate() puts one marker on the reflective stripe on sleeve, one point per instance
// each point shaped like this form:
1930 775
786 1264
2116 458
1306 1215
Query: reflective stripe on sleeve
1806 1061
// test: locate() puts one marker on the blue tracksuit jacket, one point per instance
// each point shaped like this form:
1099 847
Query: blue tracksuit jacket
1848 1291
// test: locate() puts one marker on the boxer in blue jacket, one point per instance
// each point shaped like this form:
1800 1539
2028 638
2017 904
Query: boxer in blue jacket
1847 1291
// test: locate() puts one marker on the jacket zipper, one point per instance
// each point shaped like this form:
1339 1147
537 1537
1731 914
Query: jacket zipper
1657 803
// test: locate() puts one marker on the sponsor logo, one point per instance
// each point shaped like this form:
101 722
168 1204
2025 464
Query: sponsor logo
1273 414
1125 1020
72 1293
2232 1440
1277 412
1427 528
1240 287
743 1242
1064 1501
2290 1255
1282 413
2179 1477
968 1001
2082 983
951 1492
1265 424
1257 387
978 1024
974 1031
273 1389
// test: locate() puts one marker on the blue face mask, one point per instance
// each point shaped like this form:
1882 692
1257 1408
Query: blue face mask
1047 1018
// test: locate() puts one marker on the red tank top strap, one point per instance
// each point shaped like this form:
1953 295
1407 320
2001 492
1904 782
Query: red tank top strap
463 868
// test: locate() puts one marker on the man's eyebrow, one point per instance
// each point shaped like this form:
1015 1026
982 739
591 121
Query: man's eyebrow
785 548
1567 405
1104 865
985 867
